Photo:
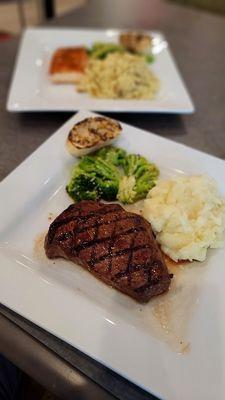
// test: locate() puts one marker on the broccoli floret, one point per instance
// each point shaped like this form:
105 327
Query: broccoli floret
135 165
100 50
113 155
94 178
140 178
87 163
127 193
143 185
108 189
99 166
108 179
83 187
106 170
149 58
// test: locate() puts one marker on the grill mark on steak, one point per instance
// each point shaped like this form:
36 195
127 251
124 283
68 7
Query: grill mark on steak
116 246
94 241
111 245
97 240
79 230
58 224
130 257
55 227
120 253
96 226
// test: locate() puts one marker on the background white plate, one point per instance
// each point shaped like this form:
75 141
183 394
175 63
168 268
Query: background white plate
105 324
31 89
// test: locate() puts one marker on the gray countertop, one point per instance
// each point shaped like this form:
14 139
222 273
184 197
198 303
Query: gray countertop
197 42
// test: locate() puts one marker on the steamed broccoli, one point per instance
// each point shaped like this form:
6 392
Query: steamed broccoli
111 174
149 58
140 177
100 50
94 178
113 155
83 186
127 193
87 163
108 189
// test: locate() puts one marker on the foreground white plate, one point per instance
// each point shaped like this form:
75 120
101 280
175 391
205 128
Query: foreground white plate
31 89
107 325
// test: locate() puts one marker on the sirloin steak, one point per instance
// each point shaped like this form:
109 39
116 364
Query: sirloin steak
116 246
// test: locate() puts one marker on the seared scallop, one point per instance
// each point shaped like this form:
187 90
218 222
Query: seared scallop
91 134
137 42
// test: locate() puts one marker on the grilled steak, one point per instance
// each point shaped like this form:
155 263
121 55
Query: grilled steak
116 246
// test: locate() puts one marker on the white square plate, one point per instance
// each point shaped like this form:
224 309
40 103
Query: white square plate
31 89
137 341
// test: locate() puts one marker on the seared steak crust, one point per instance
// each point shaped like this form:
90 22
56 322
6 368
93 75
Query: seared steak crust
116 246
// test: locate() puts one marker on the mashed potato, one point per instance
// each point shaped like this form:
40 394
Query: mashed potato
119 75
187 215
